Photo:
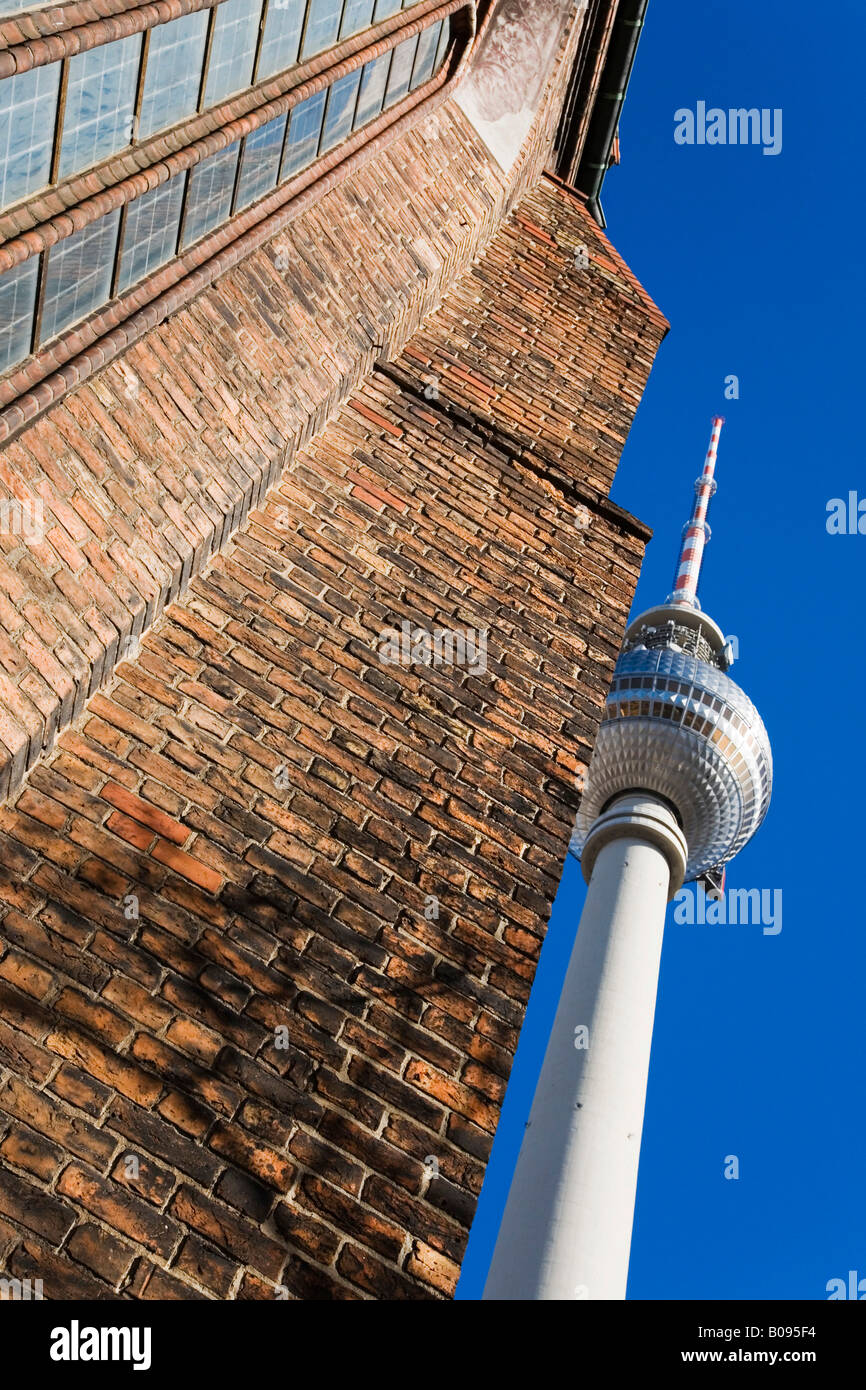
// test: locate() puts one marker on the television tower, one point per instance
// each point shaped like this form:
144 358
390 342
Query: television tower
679 781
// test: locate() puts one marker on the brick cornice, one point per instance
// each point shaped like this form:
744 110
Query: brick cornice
528 454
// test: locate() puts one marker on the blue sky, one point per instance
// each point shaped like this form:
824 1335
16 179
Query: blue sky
758 263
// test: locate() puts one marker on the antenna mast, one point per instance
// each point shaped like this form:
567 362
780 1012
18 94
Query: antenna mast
696 532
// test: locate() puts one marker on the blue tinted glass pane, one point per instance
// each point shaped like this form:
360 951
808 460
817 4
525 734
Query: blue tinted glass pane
150 236
322 26
305 125
282 36
401 70
17 301
209 198
173 77
372 93
384 9
28 106
425 56
236 29
100 103
260 161
78 277
357 15
341 109
443 43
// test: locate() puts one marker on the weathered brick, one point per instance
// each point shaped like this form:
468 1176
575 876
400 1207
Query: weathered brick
119 1210
417 1218
72 1133
80 1090
105 1256
245 1194
231 1233
306 906
148 1134
63 1280
433 1268
34 1209
262 1163
348 1215
306 1233
374 1278
109 1067
153 1284
206 1266
140 811
252 1288
24 1149
136 1172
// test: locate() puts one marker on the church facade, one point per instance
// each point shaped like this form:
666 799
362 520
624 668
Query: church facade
317 365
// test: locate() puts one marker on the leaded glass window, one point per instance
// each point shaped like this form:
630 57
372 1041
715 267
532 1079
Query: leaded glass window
28 111
233 49
281 41
174 66
305 128
260 162
443 42
425 56
150 233
374 80
209 197
401 70
323 25
78 275
17 303
100 104
342 96
357 15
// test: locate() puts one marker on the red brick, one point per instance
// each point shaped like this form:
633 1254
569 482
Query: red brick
141 811
303 907
187 866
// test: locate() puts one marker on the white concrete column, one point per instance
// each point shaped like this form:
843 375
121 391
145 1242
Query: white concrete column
566 1230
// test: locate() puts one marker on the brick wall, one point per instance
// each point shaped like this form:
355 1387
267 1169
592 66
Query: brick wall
146 468
273 907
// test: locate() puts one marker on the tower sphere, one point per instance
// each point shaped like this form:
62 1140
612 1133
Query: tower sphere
675 724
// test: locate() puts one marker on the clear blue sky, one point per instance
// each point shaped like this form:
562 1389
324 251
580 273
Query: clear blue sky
758 263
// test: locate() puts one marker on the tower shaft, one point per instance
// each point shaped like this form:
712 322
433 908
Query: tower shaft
679 780
567 1225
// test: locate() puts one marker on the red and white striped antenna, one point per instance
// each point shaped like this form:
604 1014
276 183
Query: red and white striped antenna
696 532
